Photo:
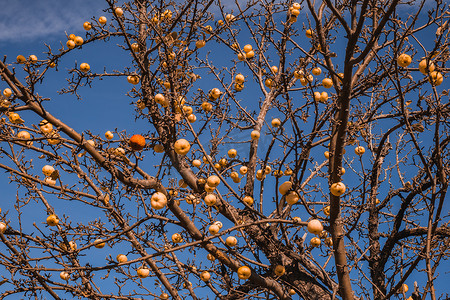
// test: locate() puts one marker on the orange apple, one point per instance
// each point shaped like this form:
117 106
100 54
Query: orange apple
21 59
70 44
205 276
436 78
279 270
26 136
84 67
182 147
327 83
196 163
248 48
121 258
210 199
137 142
7 92
47 170
248 200
276 122
99 243
255 135
213 229
64 276
32 58
315 242
213 180
285 187
109 135
52 220
359 150
243 170
316 71
326 210
158 200
337 189
143 272
231 241
78 40
232 153
164 296
244 272
423 66
404 60
314 226
2 227
133 79
177 238
102 20
239 78
250 54
309 33
87 26
118 11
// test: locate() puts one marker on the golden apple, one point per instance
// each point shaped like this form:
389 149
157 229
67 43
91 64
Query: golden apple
255 134
423 66
315 226
177 238
210 257
315 242
64 276
244 272
84 67
210 199
232 153
279 270
158 200
285 187
102 20
436 78
218 223
21 59
243 170
231 241
337 189
164 296
47 170
276 122
121 258
45 126
52 220
133 79
213 229
248 200
250 54
143 272
182 147
239 78
70 44
26 136
359 150
316 71
292 197
196 163
99 243
78 40
7 92
118 11
205 276
248 48
404 60
309 33
327 83
109 135
87 26
213 180
32 58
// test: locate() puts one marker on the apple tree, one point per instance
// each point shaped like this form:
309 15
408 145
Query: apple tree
277 150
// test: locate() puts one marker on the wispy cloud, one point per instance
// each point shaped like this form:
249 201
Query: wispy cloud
22 20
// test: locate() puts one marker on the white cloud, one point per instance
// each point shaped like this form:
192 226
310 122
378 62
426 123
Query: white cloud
29 19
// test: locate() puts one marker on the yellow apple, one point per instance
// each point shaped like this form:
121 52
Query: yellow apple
182 147
279 270
359 150
209 189
7 92
121 258
436 78
337 189
309 33
239 78
158 200
244 272
248 48
118 11
213 229
276 122
231 241
248 200
26 136
285 187
267 170
315 226
99 243
78 40
47 170
52 220
215 93
292 197
327 83
423 66
87 26
45 126
21 59
102 20
133 79
2 227
250 54
64 276
255 134
205 276
109 135
84 67
316 71
143 272
315 242
176 238
210 199
192 118
243 170
196 163
232 153
70 44
213 180
404 60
